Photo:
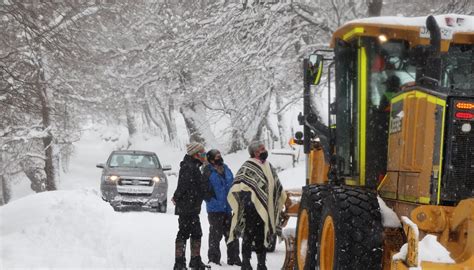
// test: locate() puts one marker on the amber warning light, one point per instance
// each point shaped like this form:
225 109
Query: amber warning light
465 105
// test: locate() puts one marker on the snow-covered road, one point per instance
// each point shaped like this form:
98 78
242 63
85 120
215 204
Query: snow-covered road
76 229
73 228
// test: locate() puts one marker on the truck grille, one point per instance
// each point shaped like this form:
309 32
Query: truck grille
458 180
463 150
135 181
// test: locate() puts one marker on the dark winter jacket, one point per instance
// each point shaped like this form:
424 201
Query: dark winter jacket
192 187
220 185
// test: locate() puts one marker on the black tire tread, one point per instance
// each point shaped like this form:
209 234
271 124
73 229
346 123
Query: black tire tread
357 220
359 228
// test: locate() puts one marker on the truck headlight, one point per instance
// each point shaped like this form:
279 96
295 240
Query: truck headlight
113 178
156 179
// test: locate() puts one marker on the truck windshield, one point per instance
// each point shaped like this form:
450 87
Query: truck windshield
133 161
389 69
458 67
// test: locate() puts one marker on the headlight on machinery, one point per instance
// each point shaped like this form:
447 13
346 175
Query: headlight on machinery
156 179
113 178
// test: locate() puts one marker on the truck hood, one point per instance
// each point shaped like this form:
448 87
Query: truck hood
137 172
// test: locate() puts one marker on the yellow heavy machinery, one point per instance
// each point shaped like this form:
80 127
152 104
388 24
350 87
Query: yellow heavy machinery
399 128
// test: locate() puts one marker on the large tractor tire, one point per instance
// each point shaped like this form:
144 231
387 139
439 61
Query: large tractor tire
345 229
306 230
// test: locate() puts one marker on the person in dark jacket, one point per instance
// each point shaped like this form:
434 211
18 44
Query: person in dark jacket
219 212
188 197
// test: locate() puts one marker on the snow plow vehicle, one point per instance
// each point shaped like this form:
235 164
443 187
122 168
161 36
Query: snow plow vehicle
399 139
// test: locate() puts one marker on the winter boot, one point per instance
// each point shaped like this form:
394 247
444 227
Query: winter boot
233 254
180 259
180 266
261 257
246 256
234 261
246 265
197 264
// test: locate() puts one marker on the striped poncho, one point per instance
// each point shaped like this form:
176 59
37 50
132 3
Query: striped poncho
267 195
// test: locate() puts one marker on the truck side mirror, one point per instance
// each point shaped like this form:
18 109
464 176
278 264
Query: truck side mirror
298 139
314 69
299 135
166 168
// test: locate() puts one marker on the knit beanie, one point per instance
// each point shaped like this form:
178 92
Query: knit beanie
193 148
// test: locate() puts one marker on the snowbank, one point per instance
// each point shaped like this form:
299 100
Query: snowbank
55 229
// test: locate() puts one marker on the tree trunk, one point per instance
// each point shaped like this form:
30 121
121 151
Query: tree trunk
150 117
5 193
262 112
281 124
189 113
237 138
4 187
37 179
46 117
167 115
236 141
374 8
131 124
170 121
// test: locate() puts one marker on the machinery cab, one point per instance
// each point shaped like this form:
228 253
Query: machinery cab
399 126
402 110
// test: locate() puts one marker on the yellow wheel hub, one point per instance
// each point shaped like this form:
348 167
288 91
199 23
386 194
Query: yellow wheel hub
326 259
302 239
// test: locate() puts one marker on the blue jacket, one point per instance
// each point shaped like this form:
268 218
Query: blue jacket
220 186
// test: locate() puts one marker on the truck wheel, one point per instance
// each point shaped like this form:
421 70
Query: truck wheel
162 207
306 230
350 230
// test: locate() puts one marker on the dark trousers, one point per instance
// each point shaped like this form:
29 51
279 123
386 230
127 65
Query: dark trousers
189 226
253 236
219 225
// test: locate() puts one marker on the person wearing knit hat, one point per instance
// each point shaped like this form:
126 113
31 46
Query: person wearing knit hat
190 192
194 148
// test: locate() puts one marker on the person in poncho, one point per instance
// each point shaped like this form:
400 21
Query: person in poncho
257 199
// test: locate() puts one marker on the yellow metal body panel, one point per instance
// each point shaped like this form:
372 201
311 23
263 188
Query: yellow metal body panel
362 112
356 31
414 123
454 228
318 167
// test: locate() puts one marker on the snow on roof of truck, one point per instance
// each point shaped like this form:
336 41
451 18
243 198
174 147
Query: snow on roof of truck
455 22
455 28
137 152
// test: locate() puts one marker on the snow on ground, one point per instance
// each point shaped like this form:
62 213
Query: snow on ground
74 228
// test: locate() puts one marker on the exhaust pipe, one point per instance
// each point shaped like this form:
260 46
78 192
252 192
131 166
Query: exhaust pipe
435 35
432 72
